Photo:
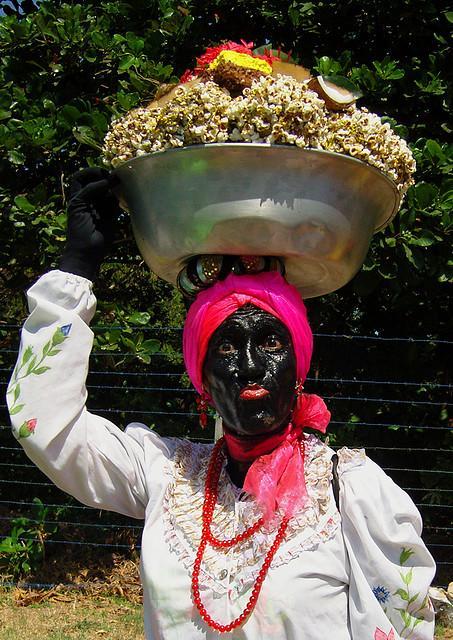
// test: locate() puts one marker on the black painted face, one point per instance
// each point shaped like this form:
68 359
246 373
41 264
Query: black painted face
250 372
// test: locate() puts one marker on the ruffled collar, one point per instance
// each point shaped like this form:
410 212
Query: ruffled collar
316 522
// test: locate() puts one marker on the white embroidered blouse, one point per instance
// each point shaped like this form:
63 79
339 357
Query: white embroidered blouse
363 575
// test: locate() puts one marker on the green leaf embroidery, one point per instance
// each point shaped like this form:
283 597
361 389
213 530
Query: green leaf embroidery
34 365
27 355
58 337
46 348
410 618
405 616
16 409
30 367
40 370
408 577
406 553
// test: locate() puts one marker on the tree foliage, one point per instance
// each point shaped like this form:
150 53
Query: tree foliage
67 68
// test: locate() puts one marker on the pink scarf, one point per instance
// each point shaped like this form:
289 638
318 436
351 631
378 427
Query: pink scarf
276 475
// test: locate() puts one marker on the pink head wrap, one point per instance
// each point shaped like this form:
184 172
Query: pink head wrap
268 291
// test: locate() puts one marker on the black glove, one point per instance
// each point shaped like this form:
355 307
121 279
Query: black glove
93 213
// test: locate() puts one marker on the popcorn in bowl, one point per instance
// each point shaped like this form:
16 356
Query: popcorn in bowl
237 95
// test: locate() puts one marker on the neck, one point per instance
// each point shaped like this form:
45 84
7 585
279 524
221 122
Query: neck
243 450
237 470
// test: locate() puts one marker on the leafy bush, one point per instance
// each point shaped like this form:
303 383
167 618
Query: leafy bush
22 551
68 68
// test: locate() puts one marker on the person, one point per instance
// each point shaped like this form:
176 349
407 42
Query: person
263 535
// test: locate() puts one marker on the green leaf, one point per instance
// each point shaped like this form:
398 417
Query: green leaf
40 370
27 354
134 43
425 194
387 70
58 337
139 317
53 352
16 157
327 66
127 61
46 348
31 364
405 554
449 15
16 392
150 346
407 578
405 616
409 255
425 239
127 100
435 149
86 135
402 594
24 204
16 409
129 343
48 104
69 115
118 38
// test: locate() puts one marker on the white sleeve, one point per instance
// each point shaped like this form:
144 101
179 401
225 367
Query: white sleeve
85 455
391 569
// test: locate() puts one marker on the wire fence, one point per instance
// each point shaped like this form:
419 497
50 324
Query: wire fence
401 419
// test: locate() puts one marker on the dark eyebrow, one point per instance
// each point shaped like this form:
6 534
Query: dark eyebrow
279 329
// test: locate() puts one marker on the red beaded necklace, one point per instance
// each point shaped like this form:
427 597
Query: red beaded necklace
207 537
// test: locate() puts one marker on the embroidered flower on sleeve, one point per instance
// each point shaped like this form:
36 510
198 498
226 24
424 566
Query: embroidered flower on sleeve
381 594
27 428
65 329
381 635
33 364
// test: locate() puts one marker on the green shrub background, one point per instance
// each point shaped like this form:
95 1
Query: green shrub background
67 68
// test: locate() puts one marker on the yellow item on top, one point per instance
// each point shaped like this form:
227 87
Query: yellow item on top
241 60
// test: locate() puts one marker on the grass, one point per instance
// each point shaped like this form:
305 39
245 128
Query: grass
74 617
78 617
442 633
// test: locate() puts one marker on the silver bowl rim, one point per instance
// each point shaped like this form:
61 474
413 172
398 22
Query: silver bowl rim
268 145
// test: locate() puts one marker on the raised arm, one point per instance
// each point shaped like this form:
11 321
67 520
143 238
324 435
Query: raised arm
84 454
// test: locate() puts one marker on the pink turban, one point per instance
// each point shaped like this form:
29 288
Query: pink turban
268 291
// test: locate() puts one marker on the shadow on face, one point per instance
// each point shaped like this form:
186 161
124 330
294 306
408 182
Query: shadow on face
250 372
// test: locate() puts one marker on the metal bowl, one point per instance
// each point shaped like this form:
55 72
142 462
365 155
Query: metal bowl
316 209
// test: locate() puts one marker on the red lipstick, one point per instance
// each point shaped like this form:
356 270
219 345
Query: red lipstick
253 392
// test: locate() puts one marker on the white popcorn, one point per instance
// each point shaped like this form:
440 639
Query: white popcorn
277 110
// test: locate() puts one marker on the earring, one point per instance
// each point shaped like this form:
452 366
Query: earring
202 405
299 388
